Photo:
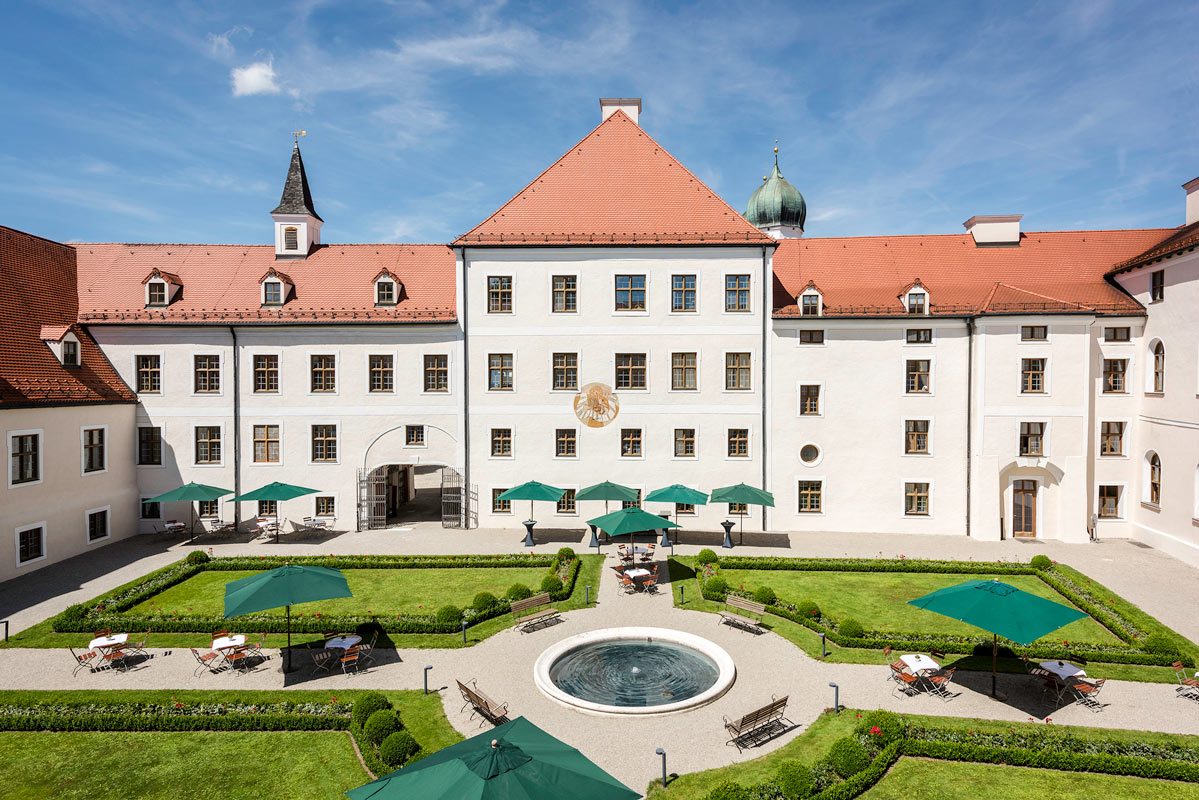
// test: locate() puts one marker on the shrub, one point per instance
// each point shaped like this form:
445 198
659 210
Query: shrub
449 615
847 757
716 585
851 629
197 557
566 554
518 591
397 748
551 583
483 601
728 790
380 725
808 609
883 726
366 705
706 556
765 595
1161 644
795 780
1041 562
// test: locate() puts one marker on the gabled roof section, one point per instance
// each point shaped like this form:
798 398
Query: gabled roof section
1184 238
616 186
53 333
274 273
296 197
166 276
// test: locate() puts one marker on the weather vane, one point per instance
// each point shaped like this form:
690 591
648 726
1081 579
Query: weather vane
298 134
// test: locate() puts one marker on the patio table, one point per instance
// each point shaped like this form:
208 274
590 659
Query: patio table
636 573
1064 669
225 642
105 642
343 642
174 527
919 663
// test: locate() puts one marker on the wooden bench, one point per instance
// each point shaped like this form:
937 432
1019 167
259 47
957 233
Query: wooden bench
532 611
484 706
739 612
759 725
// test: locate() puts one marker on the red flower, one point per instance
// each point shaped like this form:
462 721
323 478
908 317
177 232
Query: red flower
876 730
332 699
179 705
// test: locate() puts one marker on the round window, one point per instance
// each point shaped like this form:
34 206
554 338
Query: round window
809 453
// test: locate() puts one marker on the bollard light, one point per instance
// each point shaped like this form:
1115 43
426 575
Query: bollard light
587 595
836 697
464 631
427 678
682 594
662 753
823 646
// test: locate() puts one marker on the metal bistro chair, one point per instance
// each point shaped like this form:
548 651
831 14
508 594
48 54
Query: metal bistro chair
82 661
138 648
905 682
204 661
350 660
1187 687
367 651
938 683
115 657
1086 692
627 584
323 660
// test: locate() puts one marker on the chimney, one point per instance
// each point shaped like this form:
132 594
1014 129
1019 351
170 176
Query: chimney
1192 188
629 105
999 229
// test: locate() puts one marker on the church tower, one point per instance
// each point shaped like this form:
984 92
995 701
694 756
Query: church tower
297 225
777 208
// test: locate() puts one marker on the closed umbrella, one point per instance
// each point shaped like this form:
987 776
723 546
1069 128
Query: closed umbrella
284 586
190 492
532 490
513 761
275 491
1000 609
743 494
605 491
677 493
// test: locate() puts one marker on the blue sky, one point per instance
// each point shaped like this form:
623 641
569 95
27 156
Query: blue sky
164 121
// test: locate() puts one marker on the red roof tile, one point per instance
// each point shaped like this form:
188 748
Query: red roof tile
1186 237
221 283
616 186
37 282
1048 272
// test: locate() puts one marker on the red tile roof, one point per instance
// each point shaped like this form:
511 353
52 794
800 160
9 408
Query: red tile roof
1179 239
221 283
37 283
1048 272
616 186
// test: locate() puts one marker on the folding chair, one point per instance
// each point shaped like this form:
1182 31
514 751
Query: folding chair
323 660
100 634
255 648
218 634
350 660
1187 687
367 651
649 554
628 585
905 682
938 683
115 657
1086 692
937 655
887 655
82 661
138 648
650 584
204 661
238 659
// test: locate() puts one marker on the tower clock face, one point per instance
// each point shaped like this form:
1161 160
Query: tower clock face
596 405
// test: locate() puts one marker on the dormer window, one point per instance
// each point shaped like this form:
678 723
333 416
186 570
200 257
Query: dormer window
276 287
291 238
272 293
70 352
156 293
917 303
810 305
385 293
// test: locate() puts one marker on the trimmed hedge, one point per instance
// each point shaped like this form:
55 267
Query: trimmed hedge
398 748
282 716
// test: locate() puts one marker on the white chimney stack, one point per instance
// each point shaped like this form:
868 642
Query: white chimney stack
1192 189
1000 229
629 105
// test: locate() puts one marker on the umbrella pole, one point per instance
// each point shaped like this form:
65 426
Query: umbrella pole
287 656
191 519
277 536
994 660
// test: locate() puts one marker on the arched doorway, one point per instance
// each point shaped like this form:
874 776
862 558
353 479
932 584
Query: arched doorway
399 495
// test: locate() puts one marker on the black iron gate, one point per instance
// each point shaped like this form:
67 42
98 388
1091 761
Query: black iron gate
372 499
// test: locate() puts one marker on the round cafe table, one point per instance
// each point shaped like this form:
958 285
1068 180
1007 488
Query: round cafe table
636 573
225 642
918 662
343 642
1064 669
105 642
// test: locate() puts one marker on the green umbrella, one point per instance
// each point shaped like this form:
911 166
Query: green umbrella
514 761
275 491
1000 609
632 520
677 493
190 492
284 586
606 491
744 495
532 490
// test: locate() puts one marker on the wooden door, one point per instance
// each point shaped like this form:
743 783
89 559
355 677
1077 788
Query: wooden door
1024 508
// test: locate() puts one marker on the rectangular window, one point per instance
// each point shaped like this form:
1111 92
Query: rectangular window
1157 285
915 436
684 508
809 305
93 450
1111 439
630 442
437 373
30 545
97 525
499 372
682 293
915 499
501 442
268 508
272 292
266 373
632 503
1117 334
1113 375
149 447
208 444
70 353
920 335
1032 375
207 508
684 442
809 400
1032 435
566 371
1033 333
566 443
499 294
149 374
1109 502
207 374
565 294
324 373
414 435
324 442
326 506
916 302
499 506
630 370
811 337
382 377
736 293
682 371
809 493
630 292
266 444
385 293
151 511
739 509
738 443
918 374
566 503
26 458
736 372
157 293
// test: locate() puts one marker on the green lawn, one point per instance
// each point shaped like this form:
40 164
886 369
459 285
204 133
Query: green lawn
381 591
878 600
951 780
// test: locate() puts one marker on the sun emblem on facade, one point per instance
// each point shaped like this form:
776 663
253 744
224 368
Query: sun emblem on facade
596 405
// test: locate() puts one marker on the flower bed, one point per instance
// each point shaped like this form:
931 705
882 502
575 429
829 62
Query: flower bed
277 716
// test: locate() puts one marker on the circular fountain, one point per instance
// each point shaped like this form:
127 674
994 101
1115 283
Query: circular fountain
634 671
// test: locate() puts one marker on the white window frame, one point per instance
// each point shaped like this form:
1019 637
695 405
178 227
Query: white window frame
1008 498
1146 502
161 444
249 371
814 462
724 354
1121 502
107 524
903 498
166 292
819 303
283 291
220 510
41 457
220 354
192 444
823 342
308 424
162 373
338 377
799 399
621 457
699 371
670 298
932 340
424 437
648 295
248 459
917 290
550 366
1048 340
449 373
83 473
336 505
749 444
487 294
395 292
554 453
17 544
491 503
366 367
60 348
632 351
1150 364
141 505
1127 423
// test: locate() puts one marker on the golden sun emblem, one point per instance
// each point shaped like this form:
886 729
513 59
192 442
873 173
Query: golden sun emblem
596 405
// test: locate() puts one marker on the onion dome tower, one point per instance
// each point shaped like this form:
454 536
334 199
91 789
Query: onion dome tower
777 208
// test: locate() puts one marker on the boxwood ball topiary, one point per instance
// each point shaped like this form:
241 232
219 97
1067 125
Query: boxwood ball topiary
551 583
808 608
728 790
705 556
847 757
449 615
566 554
380 725
518 591
851 629
397 748
1041 562
795 780
366 705
882 726
483 601
716 585
197 557
765 595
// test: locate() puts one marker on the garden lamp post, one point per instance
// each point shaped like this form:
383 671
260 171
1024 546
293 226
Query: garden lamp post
836 697
662 753
427 678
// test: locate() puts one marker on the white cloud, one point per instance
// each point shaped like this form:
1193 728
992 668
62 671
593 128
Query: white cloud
220 46
257 78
